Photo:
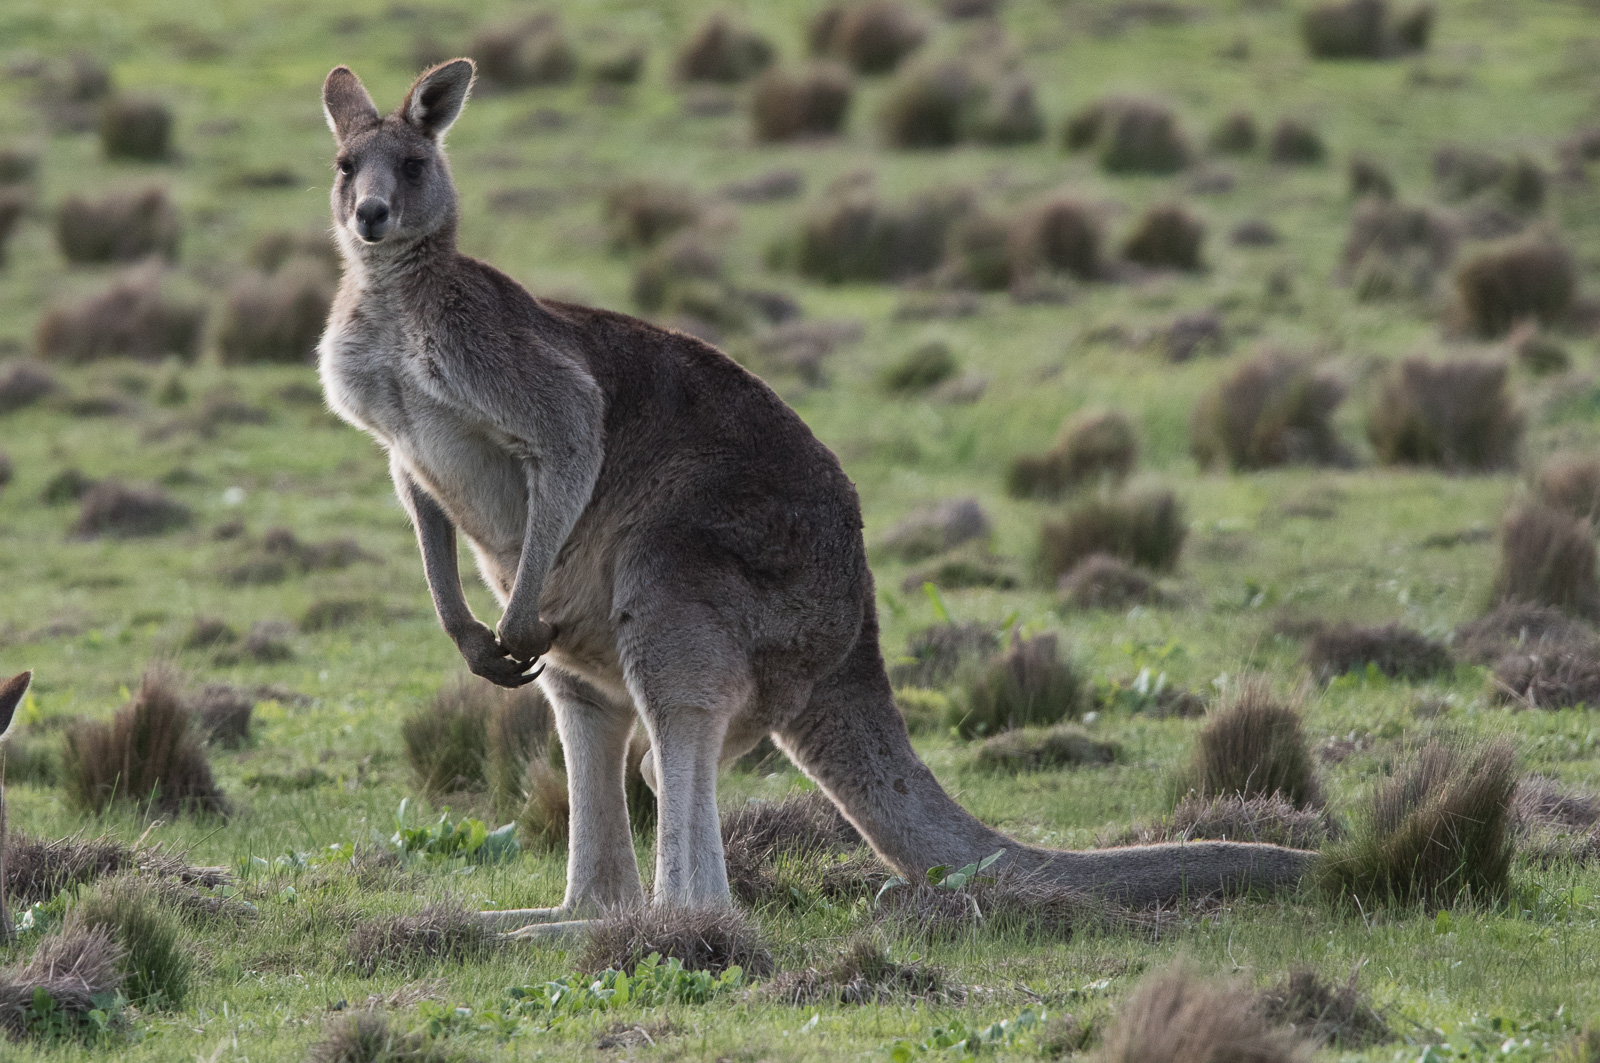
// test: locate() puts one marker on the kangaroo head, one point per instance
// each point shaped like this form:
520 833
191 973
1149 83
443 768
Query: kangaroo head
392 184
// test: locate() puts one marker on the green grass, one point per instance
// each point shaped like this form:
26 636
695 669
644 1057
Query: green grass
243 77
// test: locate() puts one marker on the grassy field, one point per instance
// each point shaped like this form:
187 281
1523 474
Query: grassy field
326 768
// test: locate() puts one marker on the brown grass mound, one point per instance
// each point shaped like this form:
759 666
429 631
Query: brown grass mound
973 565
1437 832
864 973
1234 135
935 528
366 1037
37 869
544 822
136 127
23 384
118 511
119 227
1534 277
936 654
224 713
1174 1016
1457 414
1101 581
1396 250
1029 686
1144 528
777 851
1520 626
1324 1011
810 103
723 51
1294 143
448 741
13 204
927 105
1094 447
1046 749
1558 677
800 823
702 939
1166 236
1270 820
1364 29
1272 409
74 967
640 214
1058 235
1537 351
1253 746
1547 557
920 369
277 317
1541 803
1007 114
133 318
1135 136
1367 178
441 932
281 553
873 36
850 235
523 55
1396 651
150 752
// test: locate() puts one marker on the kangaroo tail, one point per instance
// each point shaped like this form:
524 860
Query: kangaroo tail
852 741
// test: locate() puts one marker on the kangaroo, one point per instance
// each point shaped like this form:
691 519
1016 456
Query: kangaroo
668 542
11 693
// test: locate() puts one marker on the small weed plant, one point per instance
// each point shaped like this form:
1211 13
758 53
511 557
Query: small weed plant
654 982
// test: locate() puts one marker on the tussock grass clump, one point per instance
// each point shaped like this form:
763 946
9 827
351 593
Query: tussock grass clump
277 317
933 529
1094 447
1046 749
1369 179
1175 1016
119 227
1295 143
810 103
1058 235
723 51
1167 236
1254 746
1132 135
1523 278
797 846
156 960
1537 351
1272 409
1270 820
979 253
544 822
1547 557
523 55
921 369
800 823
1146 528
1456 414
850 235
1006 114
864 973
1394 250
442 932
1557 677
936 654
1365 29
331 614
1437 832
133 318
1461 171
966 566
702 939
640 214
927 106
366 1036
17 165
1030 685
1236 134
1395 650
118 511
23 384
872 36
150 753
37 869
448 741
1540 802
136 127
1101 581
683 264
281 553
75 967
1520 626
1325 1011
224 713
13 205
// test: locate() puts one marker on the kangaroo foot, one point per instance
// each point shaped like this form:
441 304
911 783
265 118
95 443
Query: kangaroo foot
515 918
550 933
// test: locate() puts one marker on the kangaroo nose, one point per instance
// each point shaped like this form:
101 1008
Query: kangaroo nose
371 215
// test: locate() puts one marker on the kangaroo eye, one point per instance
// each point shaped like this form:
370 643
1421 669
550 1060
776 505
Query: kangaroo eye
412 168
347 167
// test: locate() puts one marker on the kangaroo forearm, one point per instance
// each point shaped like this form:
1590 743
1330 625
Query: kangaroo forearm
436 537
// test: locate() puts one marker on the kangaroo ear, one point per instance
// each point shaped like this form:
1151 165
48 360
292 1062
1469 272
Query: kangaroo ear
11 692
346 104
438 96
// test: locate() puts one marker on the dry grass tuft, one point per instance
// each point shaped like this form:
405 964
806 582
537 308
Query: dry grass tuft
1396 651
1364 29
801 844
864 973
119 227
640 214
1394 250
1094 447
927 106
1167 236
1030 685
1101 581
136 127
277 317
1294 143
442 932
921 369
1547 557
13 204
544 822
723 51
873 36
1534 277
1253 746
133 317
936 654
1270 820
937 527
1046 749
75 967
448 741
23 384
1557 677
366 1037
118 511
702 939
1234 135
850 235
150 752
810 103
1144 528
281 553
1272 409
156 961
1324 1011
1368 178
223 713
1174 1016
1133 136
1007 113
1058 235
526 54
1457 414
36 870
1437 832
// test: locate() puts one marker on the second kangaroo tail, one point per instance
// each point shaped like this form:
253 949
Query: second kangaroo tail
852 741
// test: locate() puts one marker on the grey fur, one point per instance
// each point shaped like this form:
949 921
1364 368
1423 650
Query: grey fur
659 527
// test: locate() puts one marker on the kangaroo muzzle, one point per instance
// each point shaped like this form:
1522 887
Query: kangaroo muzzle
372 219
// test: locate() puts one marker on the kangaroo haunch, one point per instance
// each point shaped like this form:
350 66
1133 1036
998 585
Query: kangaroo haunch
665 536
